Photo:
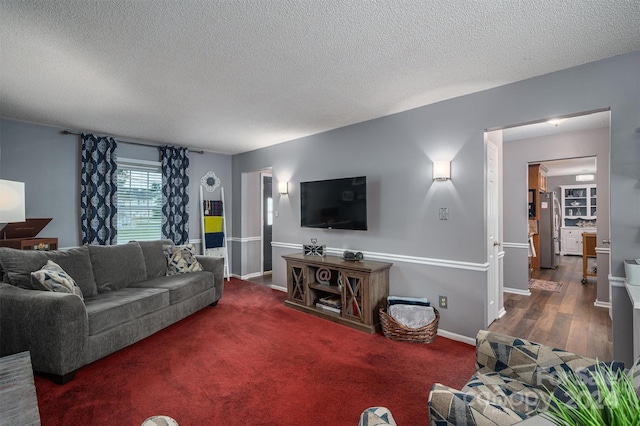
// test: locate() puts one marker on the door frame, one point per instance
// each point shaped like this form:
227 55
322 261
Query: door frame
262 216
493 220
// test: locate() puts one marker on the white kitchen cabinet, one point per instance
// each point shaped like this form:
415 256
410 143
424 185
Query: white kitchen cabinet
571 239
579 205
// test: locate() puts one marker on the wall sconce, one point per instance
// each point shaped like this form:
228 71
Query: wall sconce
441 170
11 201
283 188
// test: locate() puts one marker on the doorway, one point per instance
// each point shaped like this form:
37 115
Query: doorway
568 318
267 223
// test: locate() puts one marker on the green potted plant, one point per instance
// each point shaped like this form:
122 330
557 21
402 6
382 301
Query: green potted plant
602 395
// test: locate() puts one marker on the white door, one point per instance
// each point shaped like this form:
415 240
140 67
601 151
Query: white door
493 233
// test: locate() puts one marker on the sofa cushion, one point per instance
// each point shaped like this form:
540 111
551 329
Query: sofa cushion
19 264
108 310
526 361
181 259
116 267
508 392
154 258
51 277
181 287
448 406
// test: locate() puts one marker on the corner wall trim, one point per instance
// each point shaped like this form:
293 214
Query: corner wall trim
389 257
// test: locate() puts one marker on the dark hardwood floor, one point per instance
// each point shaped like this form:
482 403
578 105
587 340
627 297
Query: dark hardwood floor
566 319
266 279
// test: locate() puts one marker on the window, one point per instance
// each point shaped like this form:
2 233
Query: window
139 200
269 211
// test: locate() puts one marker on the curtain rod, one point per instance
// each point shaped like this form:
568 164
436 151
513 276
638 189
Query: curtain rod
68 132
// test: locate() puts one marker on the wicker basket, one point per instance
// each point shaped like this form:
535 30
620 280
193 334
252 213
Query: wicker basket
393 330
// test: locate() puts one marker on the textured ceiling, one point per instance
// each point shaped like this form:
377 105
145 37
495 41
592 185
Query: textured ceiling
233 76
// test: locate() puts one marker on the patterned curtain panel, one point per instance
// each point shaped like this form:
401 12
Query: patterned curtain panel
99 196
175 193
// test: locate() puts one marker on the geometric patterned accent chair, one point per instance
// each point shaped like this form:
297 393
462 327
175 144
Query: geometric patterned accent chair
376 416
513 382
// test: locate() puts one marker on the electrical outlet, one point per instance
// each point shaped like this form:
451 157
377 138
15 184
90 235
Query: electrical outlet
443 302
444 213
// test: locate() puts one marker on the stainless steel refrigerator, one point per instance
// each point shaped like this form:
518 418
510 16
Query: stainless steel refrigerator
549 230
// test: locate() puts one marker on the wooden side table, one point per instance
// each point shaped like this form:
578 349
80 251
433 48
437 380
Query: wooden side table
31 243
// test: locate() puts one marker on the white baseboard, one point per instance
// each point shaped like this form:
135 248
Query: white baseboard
457 337
248 276
599 304
502 312
516 291
279 288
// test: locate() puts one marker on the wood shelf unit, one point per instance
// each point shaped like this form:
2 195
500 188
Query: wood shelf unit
31 243
537 185
362 287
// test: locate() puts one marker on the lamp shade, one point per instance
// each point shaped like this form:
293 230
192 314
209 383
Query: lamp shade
441 170
11 201
283 187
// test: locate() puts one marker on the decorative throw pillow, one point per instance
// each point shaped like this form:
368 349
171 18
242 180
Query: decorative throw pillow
181 259
51 277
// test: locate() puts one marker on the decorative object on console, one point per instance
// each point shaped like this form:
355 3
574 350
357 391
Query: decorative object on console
323 275
313 249
355 257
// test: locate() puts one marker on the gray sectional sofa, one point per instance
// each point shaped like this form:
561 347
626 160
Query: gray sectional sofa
127 297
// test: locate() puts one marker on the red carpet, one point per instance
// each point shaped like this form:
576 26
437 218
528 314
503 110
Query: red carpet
252 361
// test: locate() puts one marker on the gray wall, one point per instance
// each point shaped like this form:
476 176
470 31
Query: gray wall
517 154
433 257
49 163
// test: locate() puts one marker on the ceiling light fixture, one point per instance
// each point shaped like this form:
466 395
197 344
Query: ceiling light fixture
557 121
585 178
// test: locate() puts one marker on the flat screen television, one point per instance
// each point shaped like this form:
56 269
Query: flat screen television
334 203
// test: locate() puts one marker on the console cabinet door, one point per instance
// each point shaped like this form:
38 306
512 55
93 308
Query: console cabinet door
295 282
355 287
